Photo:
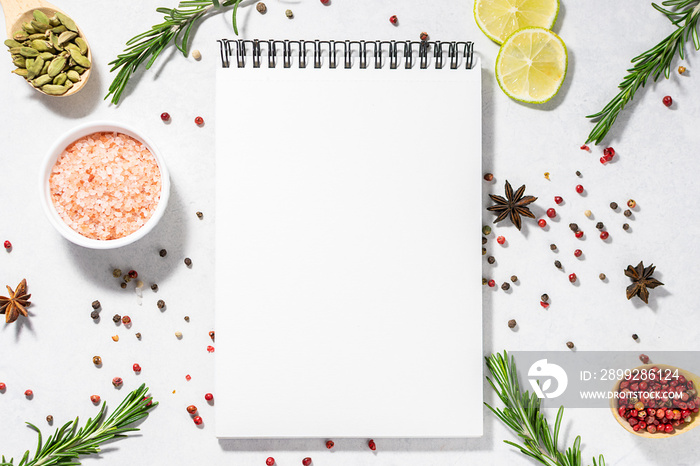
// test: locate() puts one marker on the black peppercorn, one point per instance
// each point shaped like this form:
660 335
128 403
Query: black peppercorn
95 315
512 323
553 247
188 261
628 213
163 253
635 336
570 344
505 286
578 173
491 259
601 276
187 318
599 225
49 419
544 297
514 278
625 226
557 264
96 304
117 318
200 215
160 304
573 227
122 284
613 205
483 240
138 335
154 287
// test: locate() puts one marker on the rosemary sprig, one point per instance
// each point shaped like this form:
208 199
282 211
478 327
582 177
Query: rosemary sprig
175 29
69 442
684 14
522 414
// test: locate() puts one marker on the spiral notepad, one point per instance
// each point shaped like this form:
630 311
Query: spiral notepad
348 216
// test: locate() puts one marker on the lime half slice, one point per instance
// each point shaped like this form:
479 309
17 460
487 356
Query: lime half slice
498 19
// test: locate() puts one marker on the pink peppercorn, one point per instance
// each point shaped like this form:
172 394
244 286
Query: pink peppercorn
210 349
572 277
372 446
578 234
492 283
578 253
551 213
199 121
7 244
604 235
188 377
558 199
584 147
270 461
2 387
579 188
137 368
28 393
542 223
394 20
330 444
544 305
126 320
117 382
306 461
198 420
668 101
208 397
95 398
325 2
165 116
501 240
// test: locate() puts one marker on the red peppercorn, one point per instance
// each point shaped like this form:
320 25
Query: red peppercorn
542 223
28 393
584 147
210 349
330 444
306 461
372 446
558 199
126 320
7 244
95 398
188 377
208 396
133 274
191 409
394 20
270 460
551 213
492 283
608 152
423 36
578 253
579 188
603 160
645 360
578 234
669 427
668 101
198 420
211 335
501 240
165 116
604 235
544 305
199 121
2 387
117 382
137 368
572 277
325 2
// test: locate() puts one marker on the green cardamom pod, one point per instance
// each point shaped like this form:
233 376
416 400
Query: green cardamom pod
42 80
56 66
79 58
35 68
78 69
59 29
12 43
40 27
67 22
73 76
53 21
29 62
15 50
60 79
41 46
37 36
54 41
20 36
28 52
68 84
82 45
21 72
40 17
54 89
47 56
66 37
45 68
72 46
28 28
19 61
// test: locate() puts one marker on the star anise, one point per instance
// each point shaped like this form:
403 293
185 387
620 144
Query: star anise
514 205
15 305
642 281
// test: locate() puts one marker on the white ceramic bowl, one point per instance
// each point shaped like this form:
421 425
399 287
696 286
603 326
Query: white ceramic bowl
50 159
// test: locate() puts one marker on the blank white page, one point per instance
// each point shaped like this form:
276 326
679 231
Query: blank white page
348 265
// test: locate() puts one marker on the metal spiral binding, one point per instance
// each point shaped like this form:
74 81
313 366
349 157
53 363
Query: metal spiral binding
239 49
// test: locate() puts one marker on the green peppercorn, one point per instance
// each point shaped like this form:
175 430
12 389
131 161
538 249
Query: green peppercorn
116 273
484 281
486 230
289 14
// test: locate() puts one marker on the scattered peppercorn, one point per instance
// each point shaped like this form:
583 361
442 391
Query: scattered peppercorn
491 259
139 284
501 240
613 205
191 409
628 213
631 204
625 226
572 277
599 225
542 223
188 377
484 240
644 358
95 398
579 188
553 247
424 36
584 147
117 318
372 446
492 283
544 297
7 245
198 420
160 304
270 461
199 121
127 278
49 419
578 234
96 360
95 315
514 278
28 393
573 227
587 213
126 320
483 281
486 230
178 335
483 251
261 7
604 235
394 20
602 276
570 344
667 101
208 396
578 173
138 335
681 69
330 444
577 253
122 284
211 335
95 304
133 274
200 215
546 175
187 318
188 261
488 177
289 14
512 323
136 368
635 336
165 116
116 273
154 287
115 338
505 286
2 387
117 382
557 264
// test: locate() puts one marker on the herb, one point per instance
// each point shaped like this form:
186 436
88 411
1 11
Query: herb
14 304
68 442
642 281
684 14
522 414
175 29
514 205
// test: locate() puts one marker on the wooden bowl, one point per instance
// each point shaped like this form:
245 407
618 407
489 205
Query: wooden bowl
643 433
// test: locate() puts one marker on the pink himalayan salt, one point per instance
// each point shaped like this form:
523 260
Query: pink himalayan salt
105 185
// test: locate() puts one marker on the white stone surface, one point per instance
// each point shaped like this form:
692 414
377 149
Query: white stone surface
656 165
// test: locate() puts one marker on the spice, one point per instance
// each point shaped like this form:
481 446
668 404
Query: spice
116 273
553 247
667 100
95 315
199 121
483 251
95 398
546 175
557 264
505 286
604 235
372 446
133 274
138 335
261 7
198 420
289 14
558 200
96 360
394 20
635 336
191 409
602 276
483 281
200 215
2 386
136 368
188 377
631 204
644 358
625 226
16 303
154 287
512 323
163 253
500 240
542 223
165 116
123 285
126 320
117 382
484 240
160 304
330 444
139 284
270 461
551 213
544 305
7 245
585 147
486 230
492 283
681 69
628 213
178 335
208 396
573 227
613 205
28 393
488 177
599 225
424 36
211 335
572 277
578 173
115 338
570 344
117 318
544 297
95 304
127 278
187 318
579 188
197 55
578 234
491 259
587 213
49 419
514 278
513 206
642 281
188 261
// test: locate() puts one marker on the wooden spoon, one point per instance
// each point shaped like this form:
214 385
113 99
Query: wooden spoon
678 430
18 12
